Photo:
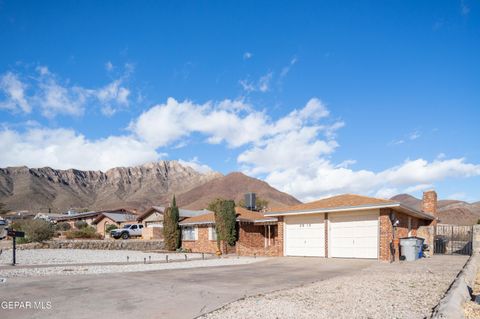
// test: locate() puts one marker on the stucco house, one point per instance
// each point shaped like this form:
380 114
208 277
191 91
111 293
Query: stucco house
152 220
117 218
344 226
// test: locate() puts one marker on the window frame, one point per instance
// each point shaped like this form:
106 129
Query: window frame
192 232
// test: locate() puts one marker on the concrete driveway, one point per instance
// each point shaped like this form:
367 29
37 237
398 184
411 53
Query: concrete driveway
181 293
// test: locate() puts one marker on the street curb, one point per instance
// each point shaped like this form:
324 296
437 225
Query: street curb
451 305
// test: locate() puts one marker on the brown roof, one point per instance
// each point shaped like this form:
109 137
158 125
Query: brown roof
347 200
243 214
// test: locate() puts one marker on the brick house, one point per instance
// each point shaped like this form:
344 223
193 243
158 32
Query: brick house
256 234
344 226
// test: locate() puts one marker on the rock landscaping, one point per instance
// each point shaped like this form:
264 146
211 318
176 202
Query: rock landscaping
400 290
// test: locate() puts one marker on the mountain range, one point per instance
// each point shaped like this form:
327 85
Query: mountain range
139 187
449 211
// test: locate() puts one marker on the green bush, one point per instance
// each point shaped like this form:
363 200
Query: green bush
36 230
88 232
79 224
63 226
109 228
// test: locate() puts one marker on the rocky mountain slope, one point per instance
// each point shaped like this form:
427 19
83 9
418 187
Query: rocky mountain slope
139 187
38 189
449 211
233 186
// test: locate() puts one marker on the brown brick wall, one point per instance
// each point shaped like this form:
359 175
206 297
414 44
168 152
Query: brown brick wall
251 240
429 204
203 244
386 234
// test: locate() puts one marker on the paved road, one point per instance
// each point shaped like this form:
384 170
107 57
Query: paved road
182 293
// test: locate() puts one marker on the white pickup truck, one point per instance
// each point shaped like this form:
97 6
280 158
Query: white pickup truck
128 230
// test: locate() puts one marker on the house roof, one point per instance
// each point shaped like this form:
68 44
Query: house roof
116 217
346 202
77 216
184 213
243 215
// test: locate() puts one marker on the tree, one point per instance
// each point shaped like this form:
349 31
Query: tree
225 221
260 202
171 229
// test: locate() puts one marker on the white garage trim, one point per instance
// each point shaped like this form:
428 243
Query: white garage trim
354 234
304 235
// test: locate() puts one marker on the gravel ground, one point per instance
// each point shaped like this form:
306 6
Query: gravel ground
80 256
86 269
400 290
471 308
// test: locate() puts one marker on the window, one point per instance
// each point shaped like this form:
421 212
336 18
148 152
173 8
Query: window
134 227
212 233
189 233
140 226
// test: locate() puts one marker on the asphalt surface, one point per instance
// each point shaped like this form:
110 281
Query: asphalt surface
181 293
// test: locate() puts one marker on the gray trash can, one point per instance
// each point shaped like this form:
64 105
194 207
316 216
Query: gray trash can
409 248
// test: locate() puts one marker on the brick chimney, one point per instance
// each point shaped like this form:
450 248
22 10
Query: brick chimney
429 202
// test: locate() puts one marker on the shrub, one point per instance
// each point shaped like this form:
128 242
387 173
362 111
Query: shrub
63 226
36 230
171 229
88 232
79 224
225 221
109 228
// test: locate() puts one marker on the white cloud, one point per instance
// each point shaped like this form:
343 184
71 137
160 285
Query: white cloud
264 82
64 148
196 165
53 97
230 121
320 176
247 55
14 91
464 8
287 68
262 85
109 66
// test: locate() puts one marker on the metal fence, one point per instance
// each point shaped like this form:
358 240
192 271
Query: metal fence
453 239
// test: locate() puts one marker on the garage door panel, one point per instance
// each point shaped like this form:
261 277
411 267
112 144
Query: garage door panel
354 235
305 235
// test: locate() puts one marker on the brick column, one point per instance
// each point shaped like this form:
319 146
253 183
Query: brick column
386 235
429 205
280 226
326 223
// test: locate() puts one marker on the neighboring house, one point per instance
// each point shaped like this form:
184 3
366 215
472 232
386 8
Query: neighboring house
87 217
18 215
256 234
117 218
344 226
152 218
48 217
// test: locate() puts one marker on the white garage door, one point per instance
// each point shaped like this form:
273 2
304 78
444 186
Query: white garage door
353 234
305 235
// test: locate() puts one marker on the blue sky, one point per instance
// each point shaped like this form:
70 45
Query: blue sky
316 98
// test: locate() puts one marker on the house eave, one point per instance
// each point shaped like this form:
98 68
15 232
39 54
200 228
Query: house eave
394 205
